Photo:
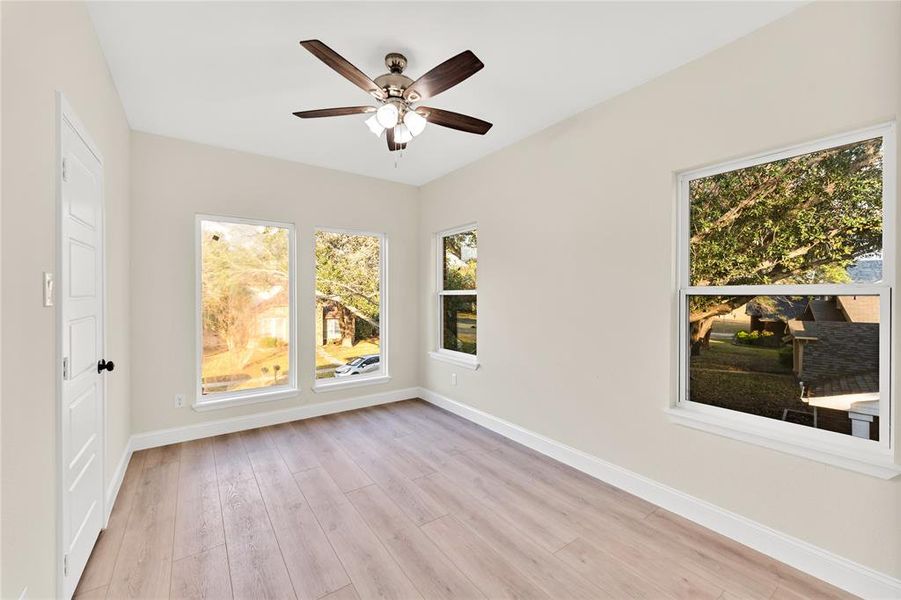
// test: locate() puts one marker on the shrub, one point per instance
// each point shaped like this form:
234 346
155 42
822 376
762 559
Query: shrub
786 356
755 338
270 342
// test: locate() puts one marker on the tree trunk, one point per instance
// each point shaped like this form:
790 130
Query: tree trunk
700 323
700 334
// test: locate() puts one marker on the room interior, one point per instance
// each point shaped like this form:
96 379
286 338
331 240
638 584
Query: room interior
295 394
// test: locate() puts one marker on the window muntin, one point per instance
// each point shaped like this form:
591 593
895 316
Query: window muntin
246 299
812 223
349 305
457 291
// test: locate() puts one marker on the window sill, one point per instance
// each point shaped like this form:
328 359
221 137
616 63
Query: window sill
877 463
228 401
463 360
328 385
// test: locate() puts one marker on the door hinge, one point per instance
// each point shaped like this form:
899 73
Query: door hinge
65 171
66 565
65 368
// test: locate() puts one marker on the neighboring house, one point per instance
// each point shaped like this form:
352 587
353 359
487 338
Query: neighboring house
835 345
835 354
772 313
273 323
339 323
859 309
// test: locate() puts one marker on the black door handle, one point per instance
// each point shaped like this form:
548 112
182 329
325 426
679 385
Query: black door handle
104 365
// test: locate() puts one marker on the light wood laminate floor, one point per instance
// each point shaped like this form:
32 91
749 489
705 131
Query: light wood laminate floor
403 501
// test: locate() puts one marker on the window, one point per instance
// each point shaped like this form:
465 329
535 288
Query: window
245 285
350 307
457 294
785 276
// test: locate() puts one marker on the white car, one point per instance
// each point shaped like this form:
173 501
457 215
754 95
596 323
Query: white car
358 366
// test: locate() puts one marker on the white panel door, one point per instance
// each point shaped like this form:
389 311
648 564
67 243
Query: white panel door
80 293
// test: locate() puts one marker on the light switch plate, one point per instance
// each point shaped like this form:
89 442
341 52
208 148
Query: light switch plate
48 289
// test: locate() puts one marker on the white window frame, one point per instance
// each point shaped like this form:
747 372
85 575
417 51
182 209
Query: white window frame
382 375
462 359
867 456
218 400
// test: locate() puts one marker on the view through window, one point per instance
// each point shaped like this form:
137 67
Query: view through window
348 304
799 341
458 293
245 288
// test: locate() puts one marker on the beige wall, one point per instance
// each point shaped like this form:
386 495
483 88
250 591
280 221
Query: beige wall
173 180
48 47
582 215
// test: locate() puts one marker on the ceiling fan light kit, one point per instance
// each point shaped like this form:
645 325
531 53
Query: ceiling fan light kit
397 94
387 115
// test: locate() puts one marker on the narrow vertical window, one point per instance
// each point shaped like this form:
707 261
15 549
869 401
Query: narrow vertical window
246 299
457 293
350 339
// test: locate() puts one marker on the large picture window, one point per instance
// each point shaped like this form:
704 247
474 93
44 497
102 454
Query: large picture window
458 294
245 309
350 340
785 277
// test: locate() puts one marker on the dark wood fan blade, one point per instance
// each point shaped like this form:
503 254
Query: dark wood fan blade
391 144
334 112
444 76
446 118
343 67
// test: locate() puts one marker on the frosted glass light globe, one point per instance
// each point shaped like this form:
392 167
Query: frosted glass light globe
373 124
402 134
387 115
415 122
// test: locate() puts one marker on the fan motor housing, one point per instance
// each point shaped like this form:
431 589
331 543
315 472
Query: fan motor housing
393 83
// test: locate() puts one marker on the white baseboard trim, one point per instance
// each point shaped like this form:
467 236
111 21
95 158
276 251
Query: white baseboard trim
174 435
806 557
118 475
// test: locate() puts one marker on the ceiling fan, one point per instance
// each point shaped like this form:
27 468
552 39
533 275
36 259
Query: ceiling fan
397 93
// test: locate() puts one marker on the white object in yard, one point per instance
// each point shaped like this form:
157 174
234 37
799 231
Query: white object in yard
861 414
861 409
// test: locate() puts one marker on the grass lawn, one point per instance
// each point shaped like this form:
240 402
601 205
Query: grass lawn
749 379
733 357
334 355
222 365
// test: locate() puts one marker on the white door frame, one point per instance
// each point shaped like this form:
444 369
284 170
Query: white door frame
66 117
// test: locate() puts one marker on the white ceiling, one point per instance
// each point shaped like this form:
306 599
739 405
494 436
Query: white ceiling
230 74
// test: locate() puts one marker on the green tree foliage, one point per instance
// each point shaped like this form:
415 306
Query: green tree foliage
347 269
244 272
798 220
460 261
